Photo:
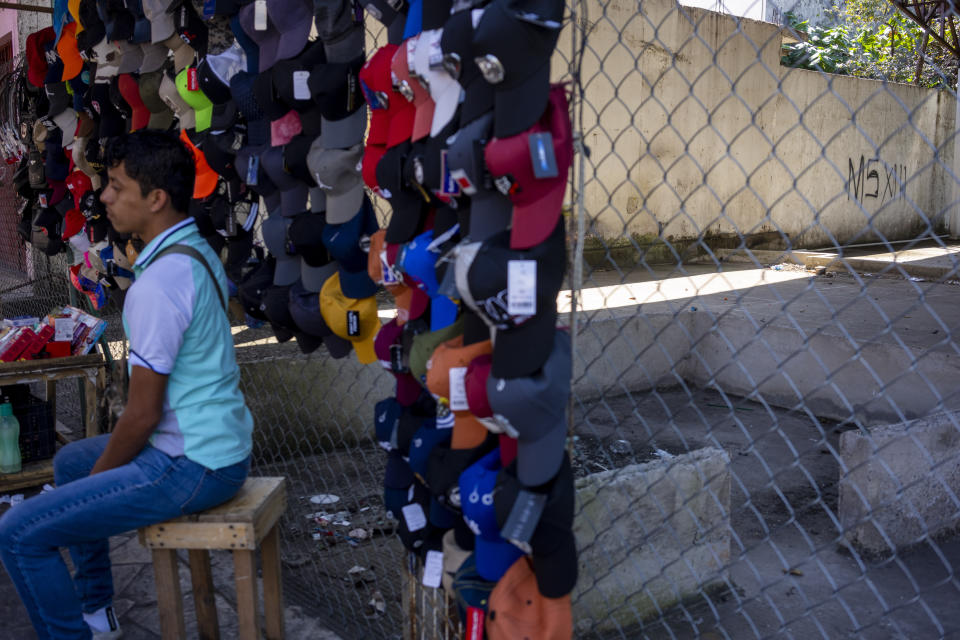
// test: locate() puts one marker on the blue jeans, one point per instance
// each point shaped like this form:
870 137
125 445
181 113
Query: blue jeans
83 512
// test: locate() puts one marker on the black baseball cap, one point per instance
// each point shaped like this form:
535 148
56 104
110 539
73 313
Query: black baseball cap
409 207
305 238
445 466
456 42
553 543
295 157
305 309
523 342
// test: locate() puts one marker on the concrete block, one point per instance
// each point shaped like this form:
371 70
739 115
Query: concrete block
650 536
900 483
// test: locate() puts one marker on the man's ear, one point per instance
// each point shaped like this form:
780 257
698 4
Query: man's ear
158 199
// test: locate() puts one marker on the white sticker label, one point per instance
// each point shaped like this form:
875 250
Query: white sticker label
433 569
63 329
522 287
388 276
300 89
414 517
260 15
458 389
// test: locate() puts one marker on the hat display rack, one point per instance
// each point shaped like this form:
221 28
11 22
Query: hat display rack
295 129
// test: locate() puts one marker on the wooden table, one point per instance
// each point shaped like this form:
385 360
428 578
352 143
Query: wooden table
90 368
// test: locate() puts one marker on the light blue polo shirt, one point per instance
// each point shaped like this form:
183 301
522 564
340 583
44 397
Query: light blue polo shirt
177 327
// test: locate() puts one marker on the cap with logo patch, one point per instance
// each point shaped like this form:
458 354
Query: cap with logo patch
418 259
389 349
490 210
448 359
411 301
337 172
352 319
377 87
524 330
494 554
512 45
344 242
531 168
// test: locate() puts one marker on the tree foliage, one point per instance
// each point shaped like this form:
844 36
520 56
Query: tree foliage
871 39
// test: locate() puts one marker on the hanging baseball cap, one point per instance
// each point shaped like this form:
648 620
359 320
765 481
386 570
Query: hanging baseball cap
446 369
494 554
205 178
351 319
35 49
424 345
403 94
287 32
275 231
191 28
531 168
69 53
161 116
344 242
372 153
517 609
445 91
130 90
305 309
107 56
456 43
258 127
305 239
78 184
377 87
131 56
411 301
196 100
386 417
66 121
93 28
418 259
293 192
171 97
512 46
118 20
422 102
154 57
408 206
389 349
526 327
337 172
490 210
532 409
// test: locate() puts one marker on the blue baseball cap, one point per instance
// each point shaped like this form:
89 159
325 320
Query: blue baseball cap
249 47
397 474
494 554
419 261
343 243
414 23
424 440
386 417
470 588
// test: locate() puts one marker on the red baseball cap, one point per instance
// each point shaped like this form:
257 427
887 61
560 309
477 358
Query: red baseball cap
475 382
377 86
130 90
537 201
403 93
36 60
78 183
73 223
422 100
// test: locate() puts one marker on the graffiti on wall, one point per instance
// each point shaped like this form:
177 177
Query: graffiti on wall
877 179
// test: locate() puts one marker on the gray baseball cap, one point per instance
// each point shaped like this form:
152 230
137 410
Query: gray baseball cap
533 410
337 172
490 210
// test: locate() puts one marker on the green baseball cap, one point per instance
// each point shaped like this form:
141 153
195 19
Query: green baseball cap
197 100
424 345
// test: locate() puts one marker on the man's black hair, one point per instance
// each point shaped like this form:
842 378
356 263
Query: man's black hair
156 160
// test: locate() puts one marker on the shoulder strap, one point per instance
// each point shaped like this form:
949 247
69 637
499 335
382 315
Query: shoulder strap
196 255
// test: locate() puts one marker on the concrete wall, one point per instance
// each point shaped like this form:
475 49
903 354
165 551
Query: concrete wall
695 128
8 25
899 484
29 22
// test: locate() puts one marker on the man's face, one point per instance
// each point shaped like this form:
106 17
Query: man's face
127 208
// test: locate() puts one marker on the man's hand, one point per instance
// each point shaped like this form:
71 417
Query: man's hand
140 417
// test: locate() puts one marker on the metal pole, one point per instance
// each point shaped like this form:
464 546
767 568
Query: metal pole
953 220
25 7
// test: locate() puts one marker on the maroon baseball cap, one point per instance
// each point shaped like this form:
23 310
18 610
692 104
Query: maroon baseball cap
36 58
516 162
475 382
388 346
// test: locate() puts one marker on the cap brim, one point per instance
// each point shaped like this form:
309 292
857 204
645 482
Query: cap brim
490 213
443 312
468 432
534 222
356 284
313 277
287 271
406 217
364 350
344 133
538 461
411 302
292 42
422 119
162 120
408 389
556 572
161 27
342 208
523 350
494 557
477 100
519 108
446 102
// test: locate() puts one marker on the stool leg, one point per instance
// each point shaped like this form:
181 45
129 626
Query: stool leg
245 573
272 584
203 596
169 601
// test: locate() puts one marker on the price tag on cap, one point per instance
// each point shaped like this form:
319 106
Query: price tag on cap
458 389
433 569
300 89
253 170
522 287
414 517
260 15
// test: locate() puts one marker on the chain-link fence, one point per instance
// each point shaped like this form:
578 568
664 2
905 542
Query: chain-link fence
762 302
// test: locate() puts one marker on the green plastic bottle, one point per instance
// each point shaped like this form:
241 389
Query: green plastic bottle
9 439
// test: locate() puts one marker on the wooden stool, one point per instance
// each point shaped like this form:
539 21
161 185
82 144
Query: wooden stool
247 520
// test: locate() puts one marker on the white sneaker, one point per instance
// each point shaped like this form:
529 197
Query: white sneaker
105 617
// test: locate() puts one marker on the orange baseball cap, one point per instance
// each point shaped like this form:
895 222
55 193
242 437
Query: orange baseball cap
468 431
411 301
69 53
206 179
518 609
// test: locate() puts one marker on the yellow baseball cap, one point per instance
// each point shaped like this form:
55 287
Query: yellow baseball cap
352 319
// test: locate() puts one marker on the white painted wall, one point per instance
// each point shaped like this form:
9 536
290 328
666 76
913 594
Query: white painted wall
695 127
